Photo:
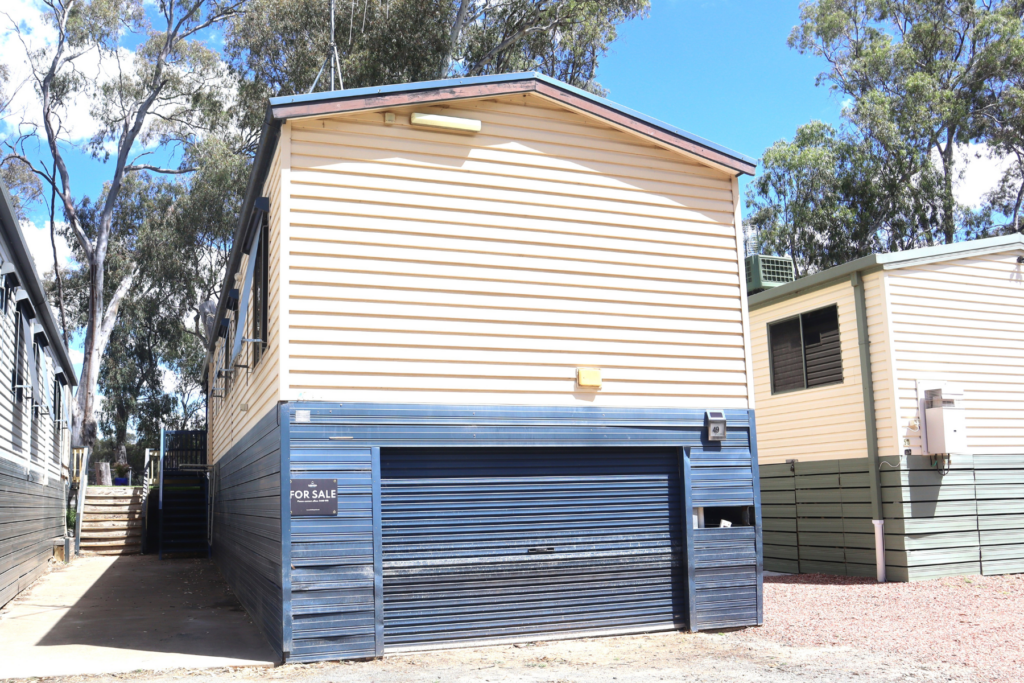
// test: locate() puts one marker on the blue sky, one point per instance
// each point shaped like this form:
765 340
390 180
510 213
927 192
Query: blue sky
720 69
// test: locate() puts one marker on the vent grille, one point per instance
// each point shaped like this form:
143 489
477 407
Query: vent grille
764 272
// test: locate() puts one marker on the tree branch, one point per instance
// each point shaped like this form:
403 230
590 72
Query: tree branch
158 169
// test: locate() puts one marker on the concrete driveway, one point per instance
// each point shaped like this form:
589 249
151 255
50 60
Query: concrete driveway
104 615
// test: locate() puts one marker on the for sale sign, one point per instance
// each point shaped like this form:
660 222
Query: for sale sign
314 497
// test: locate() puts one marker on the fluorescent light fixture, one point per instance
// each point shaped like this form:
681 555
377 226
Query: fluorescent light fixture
445 122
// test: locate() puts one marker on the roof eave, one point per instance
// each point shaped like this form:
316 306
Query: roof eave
269 136
363 99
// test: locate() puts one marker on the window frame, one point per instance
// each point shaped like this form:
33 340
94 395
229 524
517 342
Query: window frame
17 378
260 286
799 317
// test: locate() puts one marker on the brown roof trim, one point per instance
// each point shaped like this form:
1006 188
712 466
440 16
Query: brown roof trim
289 110
617 117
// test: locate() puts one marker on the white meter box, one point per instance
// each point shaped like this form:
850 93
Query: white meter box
945 420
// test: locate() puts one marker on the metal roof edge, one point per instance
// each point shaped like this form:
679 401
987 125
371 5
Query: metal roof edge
356 93
946 252
888 261
819 280
25 265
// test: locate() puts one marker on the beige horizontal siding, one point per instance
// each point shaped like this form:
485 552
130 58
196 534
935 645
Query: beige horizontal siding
425 266
257 389
821 423
963 321
882 368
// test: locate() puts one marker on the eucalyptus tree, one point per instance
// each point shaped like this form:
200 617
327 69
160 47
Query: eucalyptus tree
912 71
1000 119
278 46
161 96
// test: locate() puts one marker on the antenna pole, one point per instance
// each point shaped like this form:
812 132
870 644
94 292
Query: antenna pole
332 58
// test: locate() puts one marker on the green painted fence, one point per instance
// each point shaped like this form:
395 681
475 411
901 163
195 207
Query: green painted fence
968 520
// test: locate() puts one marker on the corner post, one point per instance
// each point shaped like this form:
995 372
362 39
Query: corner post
758 537
378 557
688 536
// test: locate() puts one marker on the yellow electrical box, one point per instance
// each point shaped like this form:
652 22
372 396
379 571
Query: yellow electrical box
589 377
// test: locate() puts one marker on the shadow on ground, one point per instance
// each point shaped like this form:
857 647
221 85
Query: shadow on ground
180 606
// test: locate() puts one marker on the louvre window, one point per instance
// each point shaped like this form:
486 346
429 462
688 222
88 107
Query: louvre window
805 351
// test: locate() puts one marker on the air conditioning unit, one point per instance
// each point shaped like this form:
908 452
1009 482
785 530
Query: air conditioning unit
765 272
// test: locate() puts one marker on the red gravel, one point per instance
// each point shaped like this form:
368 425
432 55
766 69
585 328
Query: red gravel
971 621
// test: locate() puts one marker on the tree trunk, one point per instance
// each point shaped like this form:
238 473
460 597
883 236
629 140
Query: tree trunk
103 474
948 201
97 334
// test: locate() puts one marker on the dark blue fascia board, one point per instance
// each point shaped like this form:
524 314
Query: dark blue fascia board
496 415
356 93
413 425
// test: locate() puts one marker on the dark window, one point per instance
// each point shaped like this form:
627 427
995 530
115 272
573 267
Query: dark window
259 296
805 351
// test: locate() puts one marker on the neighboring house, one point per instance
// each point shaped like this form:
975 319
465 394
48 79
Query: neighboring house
35 442
469 335
843 361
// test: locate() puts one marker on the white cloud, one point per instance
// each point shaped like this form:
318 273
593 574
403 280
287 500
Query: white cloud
170 381
37 32
981 172
38 240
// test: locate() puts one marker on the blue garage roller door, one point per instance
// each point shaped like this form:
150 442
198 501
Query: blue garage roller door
485 544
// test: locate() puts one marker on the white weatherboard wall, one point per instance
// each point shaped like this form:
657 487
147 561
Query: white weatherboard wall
426 266
963 321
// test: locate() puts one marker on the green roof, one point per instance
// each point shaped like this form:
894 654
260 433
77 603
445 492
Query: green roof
890 261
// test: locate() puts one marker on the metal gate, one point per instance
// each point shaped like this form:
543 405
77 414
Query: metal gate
493 543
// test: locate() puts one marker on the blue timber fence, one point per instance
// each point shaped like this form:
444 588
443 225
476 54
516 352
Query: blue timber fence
316 585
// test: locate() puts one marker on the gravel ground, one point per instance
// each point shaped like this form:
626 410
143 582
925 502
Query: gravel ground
964 621
674 657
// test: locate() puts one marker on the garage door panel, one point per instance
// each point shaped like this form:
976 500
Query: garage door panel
505 542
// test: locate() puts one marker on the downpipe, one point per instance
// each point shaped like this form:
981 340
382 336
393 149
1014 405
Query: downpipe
879 549
870 428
